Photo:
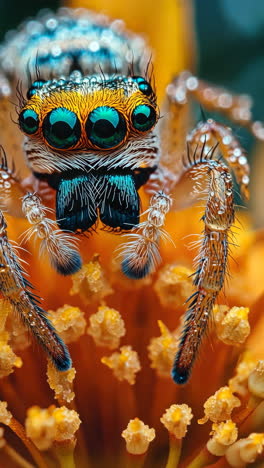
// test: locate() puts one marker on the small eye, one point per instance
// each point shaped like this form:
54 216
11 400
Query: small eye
35 87
106 127
143 85
28 121
143 117
61 128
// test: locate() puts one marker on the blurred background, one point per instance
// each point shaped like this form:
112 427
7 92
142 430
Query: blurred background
230 42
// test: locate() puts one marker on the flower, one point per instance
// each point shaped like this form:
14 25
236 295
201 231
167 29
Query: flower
78 416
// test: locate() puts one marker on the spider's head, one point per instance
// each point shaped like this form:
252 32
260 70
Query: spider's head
98 121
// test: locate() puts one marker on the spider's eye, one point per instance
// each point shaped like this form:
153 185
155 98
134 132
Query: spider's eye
61 128
143 85
143 117
106 127
28 121
34 87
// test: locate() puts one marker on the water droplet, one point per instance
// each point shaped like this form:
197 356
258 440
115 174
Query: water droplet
192 83
242 160
245 179
237 152
227 140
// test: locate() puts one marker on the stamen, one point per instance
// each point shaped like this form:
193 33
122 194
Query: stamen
174 285
245 451
256 381
176 419
125 364
45 426
18 333
40 426
61 383
256 392
223 435
69 321
7 419
138 437
239 383
90 283
219 407
232 326
8 359
162 350
106 327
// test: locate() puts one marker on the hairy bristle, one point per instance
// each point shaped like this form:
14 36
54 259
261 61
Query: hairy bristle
141 253
59 246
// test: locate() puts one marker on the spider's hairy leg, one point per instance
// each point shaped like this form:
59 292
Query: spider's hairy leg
212 260
212 139
174 126
18 292
172 130
58 245
237 108
141 253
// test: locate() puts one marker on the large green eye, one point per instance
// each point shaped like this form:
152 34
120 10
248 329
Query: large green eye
106 127
143 117
28 121
61 128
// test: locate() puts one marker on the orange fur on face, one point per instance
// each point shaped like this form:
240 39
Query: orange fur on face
83 102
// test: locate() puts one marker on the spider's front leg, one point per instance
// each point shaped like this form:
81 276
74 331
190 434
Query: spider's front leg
212 181
236 107
14 286
211 263
17 290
